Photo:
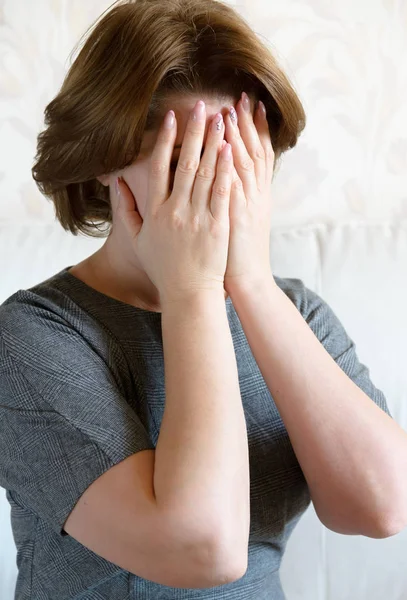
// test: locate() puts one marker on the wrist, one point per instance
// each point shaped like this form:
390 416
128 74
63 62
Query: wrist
195 296
256 284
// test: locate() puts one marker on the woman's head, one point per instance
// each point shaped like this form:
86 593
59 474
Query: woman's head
140 59
138 173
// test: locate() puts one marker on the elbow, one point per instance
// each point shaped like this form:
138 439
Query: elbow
387 522
380 529
226 567
202 565
207 557
378 524
388 527
377 529
228 560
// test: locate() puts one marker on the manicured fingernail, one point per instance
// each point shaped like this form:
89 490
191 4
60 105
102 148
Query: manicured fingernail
217 123
199 111
228 152
246 102
262 109
233 115
169 120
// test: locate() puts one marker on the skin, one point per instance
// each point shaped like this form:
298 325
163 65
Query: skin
114 269
358 492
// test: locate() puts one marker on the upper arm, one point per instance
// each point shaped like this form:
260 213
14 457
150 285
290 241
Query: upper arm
117 518
333 336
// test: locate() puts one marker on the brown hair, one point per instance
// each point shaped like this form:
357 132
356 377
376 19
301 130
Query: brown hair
139 52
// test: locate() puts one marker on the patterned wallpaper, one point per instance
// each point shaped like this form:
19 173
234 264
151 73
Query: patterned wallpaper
346 59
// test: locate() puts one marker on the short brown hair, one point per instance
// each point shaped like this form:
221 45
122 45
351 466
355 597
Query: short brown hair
135 55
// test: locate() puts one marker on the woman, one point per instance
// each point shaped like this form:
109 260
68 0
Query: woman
169 407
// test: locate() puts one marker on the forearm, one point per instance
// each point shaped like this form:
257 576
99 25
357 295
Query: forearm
353 455
202 462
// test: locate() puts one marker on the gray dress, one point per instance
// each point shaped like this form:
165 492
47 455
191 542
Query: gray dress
82 388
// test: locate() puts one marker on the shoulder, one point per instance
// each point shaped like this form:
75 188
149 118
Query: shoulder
45 333
48 309
333 335
32 322
36 303
56 358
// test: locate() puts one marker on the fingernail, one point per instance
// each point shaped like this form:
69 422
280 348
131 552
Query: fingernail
246 102
233 115
262 109
169 120
228 152
217 123
199 111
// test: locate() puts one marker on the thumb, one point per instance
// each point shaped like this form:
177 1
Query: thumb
127 207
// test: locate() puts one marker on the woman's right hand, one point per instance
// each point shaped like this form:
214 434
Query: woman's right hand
183 241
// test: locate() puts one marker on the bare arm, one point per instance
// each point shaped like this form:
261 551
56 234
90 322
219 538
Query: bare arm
351 452
179 515
201 473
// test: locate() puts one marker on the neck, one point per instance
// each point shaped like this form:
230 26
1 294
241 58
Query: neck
122 278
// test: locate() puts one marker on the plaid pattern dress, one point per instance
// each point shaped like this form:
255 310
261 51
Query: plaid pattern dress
82 388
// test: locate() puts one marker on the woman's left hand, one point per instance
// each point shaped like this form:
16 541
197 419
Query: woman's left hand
250 205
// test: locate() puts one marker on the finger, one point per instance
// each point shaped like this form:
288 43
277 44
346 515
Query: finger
237 196
127 208
159 172
262 126
190 155
220 197
242 160
250 136
206 173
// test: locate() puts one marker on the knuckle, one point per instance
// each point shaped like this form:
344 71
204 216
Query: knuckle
205 172
260 153
187 165
196 223
177 220
237 184
158 167
220 190
247 164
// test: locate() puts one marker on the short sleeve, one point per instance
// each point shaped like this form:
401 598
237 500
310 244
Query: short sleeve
332 334
63 419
